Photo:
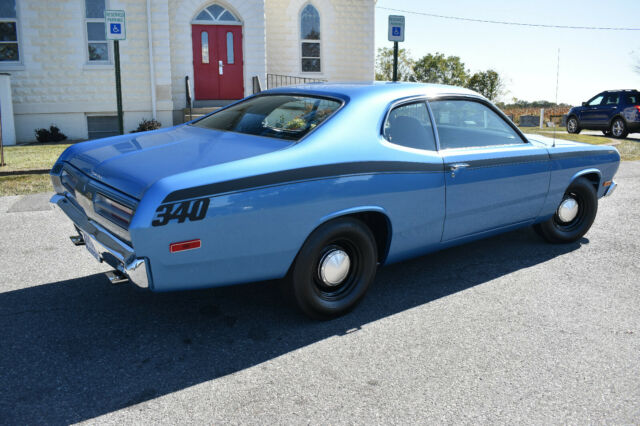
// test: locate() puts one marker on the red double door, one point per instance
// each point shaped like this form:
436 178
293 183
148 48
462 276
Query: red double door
217 62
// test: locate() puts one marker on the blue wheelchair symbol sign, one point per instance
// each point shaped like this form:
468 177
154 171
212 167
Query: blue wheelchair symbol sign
116 28
395 31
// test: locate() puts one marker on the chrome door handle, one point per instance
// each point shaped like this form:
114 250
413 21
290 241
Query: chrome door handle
220 67
457 166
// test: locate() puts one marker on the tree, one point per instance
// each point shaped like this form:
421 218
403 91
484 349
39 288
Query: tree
384 65
441 69
487 83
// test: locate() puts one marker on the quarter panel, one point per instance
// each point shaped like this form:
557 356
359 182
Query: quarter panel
255 235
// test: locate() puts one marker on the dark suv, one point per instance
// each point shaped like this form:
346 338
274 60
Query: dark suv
615 112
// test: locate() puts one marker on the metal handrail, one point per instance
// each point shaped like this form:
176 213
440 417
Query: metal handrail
278 80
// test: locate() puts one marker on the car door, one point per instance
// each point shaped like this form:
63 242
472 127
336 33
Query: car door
493 176
420 203
610 106
588 117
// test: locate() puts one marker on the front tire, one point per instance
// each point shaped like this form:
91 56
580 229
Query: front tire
574 215
619 128
572 125
334 269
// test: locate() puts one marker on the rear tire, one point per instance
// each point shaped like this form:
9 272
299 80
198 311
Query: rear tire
324 283
573 125
570 222
619 128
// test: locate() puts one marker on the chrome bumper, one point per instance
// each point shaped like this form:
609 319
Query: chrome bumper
125 258
611 188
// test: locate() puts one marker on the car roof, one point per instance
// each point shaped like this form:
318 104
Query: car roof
380 90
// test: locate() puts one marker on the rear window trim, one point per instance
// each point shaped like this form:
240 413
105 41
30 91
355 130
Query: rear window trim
342 103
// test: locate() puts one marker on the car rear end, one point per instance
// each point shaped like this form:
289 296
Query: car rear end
102 216
631 111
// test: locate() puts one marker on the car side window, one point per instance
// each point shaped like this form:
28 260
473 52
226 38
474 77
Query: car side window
596 101
410 125
611 99
632 100
466 124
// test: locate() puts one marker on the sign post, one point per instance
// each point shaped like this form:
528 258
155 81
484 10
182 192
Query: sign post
396 34
116 30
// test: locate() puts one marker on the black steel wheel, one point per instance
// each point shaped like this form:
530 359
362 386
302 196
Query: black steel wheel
574 215
619 128
334 269
573 125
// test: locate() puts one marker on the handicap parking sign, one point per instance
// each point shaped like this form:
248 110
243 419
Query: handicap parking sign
115 25
396 28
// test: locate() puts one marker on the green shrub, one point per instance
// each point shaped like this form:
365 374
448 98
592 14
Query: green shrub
52 134
146 125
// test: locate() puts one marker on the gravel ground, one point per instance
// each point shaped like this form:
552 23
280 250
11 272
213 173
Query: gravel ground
505 330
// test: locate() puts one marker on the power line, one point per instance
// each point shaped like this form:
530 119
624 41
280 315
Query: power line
521 24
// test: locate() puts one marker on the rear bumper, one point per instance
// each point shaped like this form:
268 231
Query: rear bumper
108 248
611 188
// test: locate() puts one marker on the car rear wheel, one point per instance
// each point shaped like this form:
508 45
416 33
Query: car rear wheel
572 125
619 128
334 269
574 215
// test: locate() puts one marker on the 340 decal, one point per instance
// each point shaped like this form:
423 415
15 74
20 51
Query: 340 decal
186 210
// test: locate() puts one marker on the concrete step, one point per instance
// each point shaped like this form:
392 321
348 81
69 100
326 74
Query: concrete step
213 103
196 113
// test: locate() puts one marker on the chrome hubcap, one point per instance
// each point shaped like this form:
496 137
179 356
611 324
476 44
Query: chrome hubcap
572 125
568 210
334 267
617 128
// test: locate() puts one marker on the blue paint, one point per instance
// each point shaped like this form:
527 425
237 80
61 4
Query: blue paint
255 233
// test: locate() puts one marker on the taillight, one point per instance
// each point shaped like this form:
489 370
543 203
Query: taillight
638 108
112 210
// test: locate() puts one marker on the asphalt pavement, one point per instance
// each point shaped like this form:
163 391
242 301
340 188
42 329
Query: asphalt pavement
504 330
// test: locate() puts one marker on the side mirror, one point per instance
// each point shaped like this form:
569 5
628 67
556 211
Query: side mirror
584 104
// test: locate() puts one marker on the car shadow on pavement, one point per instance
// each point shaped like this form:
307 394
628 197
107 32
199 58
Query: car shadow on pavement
77 349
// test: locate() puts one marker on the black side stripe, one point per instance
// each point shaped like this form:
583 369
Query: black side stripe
577 154
304 173
504 161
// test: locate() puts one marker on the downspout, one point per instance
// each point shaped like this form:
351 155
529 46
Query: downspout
152 71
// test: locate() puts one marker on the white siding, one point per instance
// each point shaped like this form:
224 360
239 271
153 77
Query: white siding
57 86
346 32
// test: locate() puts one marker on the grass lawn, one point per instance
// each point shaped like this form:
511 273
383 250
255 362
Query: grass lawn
629 148
30 157
39 156
24 184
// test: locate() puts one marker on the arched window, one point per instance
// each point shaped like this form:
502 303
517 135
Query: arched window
310 39
216 14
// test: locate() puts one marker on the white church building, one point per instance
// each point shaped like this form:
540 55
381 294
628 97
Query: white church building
59 68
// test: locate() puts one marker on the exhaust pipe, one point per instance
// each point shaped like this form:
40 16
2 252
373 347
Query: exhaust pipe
116 277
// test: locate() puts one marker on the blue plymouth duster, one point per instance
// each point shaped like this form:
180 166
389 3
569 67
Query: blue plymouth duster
318 185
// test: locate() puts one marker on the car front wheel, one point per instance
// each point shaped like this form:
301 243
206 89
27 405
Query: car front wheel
572 125
574 215
334 269
619 128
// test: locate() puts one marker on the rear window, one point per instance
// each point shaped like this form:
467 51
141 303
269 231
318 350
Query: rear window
276 116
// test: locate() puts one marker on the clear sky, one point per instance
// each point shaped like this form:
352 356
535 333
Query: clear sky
590 61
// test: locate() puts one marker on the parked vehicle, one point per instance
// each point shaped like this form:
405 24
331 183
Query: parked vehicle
320 184
615 112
